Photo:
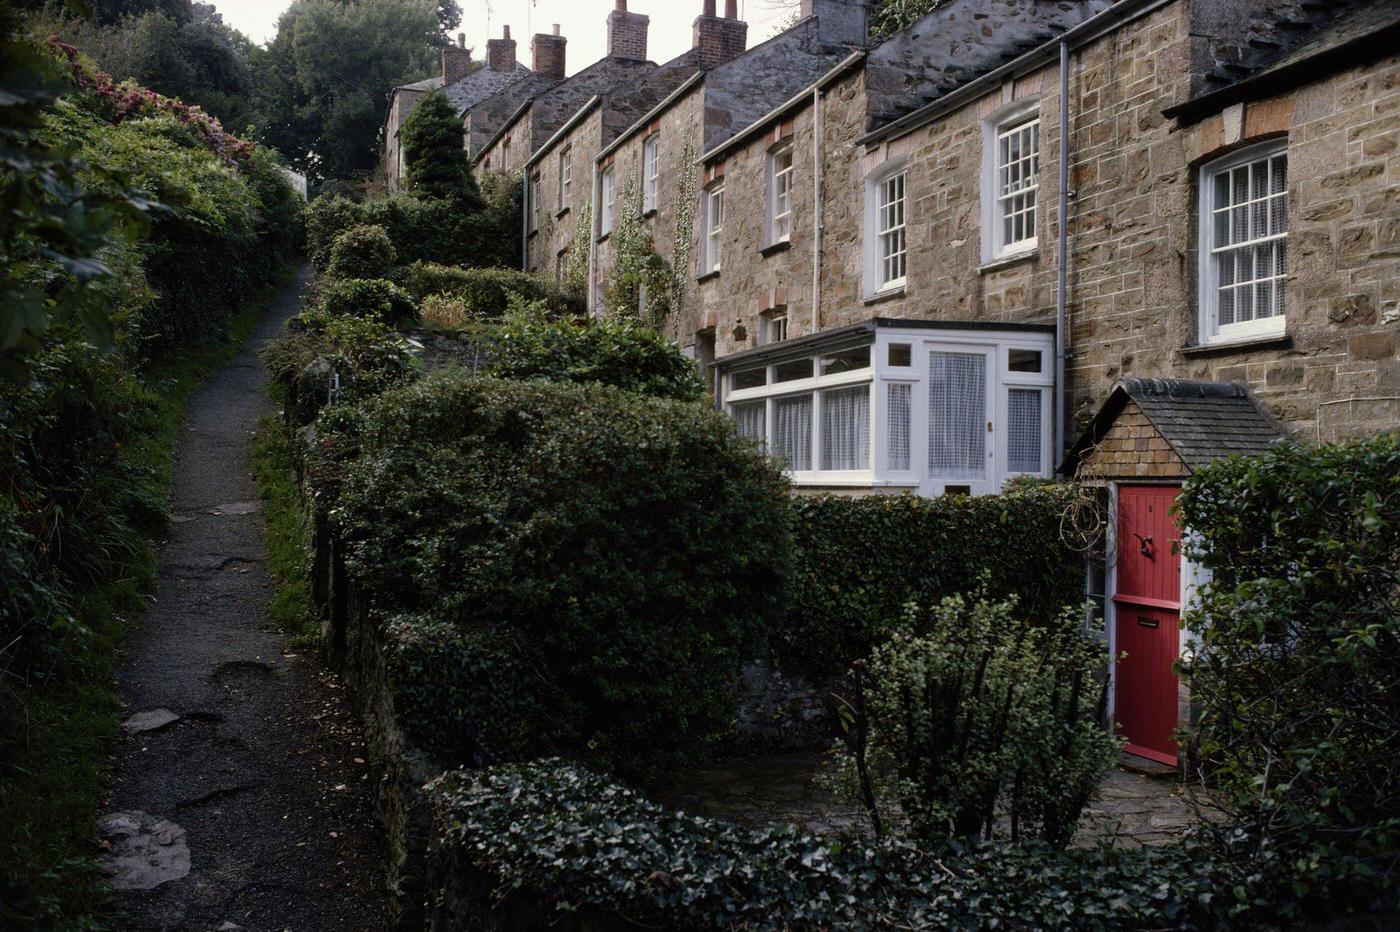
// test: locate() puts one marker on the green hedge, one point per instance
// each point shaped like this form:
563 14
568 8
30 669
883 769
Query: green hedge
626 550
552 842
486 292
361 252
859 561
373 299
1297 663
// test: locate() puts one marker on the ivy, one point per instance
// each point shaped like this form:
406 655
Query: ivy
642 281
575 282
683 248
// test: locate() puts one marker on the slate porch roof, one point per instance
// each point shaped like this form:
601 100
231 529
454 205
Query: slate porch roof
1203 421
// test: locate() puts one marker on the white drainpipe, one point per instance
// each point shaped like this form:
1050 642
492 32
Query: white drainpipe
1062 285
592 240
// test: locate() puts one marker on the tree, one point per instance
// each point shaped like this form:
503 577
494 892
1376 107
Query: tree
323 81
434 148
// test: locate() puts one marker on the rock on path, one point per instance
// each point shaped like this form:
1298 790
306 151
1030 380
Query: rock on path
241 798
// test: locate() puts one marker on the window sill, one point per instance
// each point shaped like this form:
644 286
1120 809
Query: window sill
1009 260
1242 345
776 248
708 277
561 212
881 297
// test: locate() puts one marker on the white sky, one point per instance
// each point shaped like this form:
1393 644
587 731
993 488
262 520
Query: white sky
583 22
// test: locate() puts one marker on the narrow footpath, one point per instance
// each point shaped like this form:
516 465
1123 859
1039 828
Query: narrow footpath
241 799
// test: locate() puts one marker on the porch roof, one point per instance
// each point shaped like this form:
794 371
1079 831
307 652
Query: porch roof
852 333
1202 421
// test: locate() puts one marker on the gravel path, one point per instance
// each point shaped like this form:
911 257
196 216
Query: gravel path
241 799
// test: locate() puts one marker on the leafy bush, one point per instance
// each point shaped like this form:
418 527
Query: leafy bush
576 526
483 292
361 252
859 561
326 219
434 147
622 352
550 841
974 713
365 356
371 299
1297 661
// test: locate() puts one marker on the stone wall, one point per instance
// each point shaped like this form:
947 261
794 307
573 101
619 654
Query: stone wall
400 107
558 222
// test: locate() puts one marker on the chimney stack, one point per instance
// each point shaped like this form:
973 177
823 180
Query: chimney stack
627 33
719 39
547 53
840 22
456 61
500 53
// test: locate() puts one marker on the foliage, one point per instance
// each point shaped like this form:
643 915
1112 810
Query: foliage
434 144
859 561
974 713
361 252
287 534
640 286
483 292
374 299
350 358
552 839
890 16
622 352
576 525
320 83
575 283
1297 659
683 242
438 231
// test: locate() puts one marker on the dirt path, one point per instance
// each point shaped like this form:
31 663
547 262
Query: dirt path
240 798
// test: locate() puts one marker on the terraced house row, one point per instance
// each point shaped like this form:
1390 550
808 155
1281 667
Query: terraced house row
1019 238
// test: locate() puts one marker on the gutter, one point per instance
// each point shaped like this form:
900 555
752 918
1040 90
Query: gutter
564 130
793 102
1092 28
647 118
1272 82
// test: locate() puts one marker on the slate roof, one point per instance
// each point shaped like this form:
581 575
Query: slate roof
1203 421
481 83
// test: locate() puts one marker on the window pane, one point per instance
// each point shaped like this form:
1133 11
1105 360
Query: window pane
901 354
957 417
750 418
900 398
749 378
1024 360
846 360
796 369
792 432
1023 430
846 428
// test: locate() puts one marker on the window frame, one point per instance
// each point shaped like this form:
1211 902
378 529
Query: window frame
607 200
651 173
532 193
1208 329
566 177
711 234
875 282
775 178
1013 118
772 320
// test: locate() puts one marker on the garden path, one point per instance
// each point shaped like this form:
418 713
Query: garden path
241 797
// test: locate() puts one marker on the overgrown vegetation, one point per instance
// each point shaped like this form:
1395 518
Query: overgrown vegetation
1296 665
435 149
483 292
91 296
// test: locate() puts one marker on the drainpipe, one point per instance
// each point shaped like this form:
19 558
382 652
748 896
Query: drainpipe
817 226
1062 285
525 221
592 241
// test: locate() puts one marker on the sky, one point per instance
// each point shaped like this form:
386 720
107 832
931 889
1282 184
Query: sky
583 22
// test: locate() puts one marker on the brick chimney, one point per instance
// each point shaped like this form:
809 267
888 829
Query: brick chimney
627 33
841 22
718 40
500 53
547 54
456 61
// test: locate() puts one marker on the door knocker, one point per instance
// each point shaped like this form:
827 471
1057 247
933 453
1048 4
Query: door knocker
1145 544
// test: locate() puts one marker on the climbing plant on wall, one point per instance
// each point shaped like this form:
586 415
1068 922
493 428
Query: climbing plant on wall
687 196
642 282
575 283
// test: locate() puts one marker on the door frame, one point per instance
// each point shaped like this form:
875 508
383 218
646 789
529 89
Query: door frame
1193 576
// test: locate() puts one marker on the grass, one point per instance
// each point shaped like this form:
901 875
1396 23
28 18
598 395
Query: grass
51 796
287 532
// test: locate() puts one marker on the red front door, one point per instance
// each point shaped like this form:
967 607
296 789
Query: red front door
1147 607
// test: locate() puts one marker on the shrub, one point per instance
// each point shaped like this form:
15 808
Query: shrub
580 526
622 352
859 561
326 218
434 145
361 252
973 714
483 292
371 299
365 357
545 842
1297 662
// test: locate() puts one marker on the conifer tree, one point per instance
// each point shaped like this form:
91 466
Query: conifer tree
434 148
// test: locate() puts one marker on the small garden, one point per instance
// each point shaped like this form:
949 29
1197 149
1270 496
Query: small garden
549 570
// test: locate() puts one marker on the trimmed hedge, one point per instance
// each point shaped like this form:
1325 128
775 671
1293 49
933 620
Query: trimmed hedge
550 842
571 531
485 292
361 252
369 299
859 561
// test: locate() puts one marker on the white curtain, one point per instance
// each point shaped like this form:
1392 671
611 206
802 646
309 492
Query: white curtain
901 396
957 415
792 432
846 428
1023 430
750 418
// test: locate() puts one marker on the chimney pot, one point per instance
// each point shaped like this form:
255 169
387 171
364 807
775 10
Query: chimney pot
708 9
556 29
461 40
506 31
731 9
